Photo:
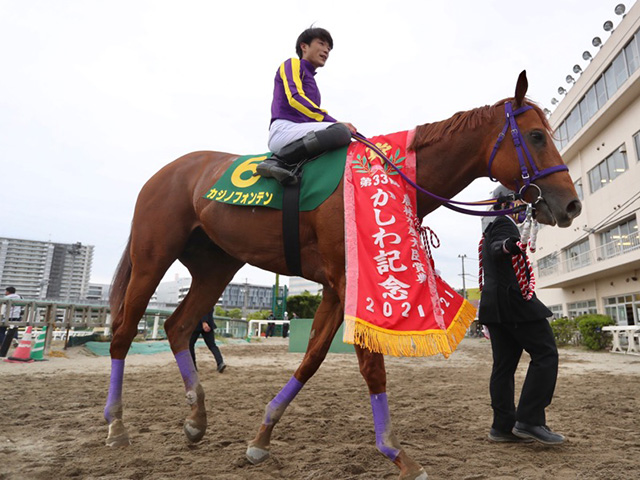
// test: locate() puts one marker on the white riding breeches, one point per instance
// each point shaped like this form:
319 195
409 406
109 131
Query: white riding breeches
283 132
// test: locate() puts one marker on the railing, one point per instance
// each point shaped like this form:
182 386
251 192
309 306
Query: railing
609 250
73 318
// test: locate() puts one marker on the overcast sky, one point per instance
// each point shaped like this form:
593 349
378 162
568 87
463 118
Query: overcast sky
99 95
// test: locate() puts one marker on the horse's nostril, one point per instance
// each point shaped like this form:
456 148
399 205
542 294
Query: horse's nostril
574 208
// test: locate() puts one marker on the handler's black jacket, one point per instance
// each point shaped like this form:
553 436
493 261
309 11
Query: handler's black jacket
501 300
207 318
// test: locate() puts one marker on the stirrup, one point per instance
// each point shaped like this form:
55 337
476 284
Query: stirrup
273 169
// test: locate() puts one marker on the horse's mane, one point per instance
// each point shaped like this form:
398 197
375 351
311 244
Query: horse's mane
431 133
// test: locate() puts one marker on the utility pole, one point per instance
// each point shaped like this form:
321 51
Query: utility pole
464 287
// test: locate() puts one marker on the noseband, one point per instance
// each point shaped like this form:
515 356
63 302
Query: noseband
521 150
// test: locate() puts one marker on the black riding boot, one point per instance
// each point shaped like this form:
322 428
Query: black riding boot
310 146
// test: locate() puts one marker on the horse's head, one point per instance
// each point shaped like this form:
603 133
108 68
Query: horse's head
530 162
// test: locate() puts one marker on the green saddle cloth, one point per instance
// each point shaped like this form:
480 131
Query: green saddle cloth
238 186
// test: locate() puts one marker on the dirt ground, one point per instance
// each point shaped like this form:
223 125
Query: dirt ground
51 423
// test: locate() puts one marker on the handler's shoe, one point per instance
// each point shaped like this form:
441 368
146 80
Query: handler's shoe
274 169
506 437
539 433
221 367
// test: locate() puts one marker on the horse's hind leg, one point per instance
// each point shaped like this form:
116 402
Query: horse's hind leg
373 371
140 288
211 271
325 325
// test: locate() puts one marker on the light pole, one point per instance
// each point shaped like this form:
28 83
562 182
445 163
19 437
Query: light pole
464 287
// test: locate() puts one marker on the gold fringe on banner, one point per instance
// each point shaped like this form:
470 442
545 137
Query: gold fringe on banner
410 343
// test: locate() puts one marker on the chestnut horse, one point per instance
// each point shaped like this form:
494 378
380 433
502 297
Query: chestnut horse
172 221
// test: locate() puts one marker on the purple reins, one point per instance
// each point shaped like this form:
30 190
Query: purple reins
522 151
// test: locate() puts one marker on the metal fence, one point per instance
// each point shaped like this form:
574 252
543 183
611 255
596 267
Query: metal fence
65 320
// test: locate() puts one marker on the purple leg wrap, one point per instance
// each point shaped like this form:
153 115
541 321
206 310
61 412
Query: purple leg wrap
282 400
115 388
187 369
382 424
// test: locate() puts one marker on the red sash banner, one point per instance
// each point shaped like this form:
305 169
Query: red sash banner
395 303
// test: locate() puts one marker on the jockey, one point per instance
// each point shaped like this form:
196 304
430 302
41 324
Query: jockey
300 129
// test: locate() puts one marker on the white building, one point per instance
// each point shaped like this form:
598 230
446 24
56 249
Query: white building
298 285
39 270
594 266
245 296
99 292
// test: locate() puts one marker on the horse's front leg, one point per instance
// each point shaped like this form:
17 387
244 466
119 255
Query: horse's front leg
325 325
373 371
195 425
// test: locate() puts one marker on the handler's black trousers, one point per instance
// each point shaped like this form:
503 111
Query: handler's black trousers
210 340
507 342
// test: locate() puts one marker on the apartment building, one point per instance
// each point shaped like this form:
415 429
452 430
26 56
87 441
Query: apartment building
594 265
45 270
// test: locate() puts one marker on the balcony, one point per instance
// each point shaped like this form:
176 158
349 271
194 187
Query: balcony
621 254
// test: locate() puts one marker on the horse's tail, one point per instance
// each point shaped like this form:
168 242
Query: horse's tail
121 280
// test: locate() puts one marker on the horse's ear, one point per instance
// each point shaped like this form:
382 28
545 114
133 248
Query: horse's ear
521 89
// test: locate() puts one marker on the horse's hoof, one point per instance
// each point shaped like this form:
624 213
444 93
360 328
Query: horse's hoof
118 436
193 431
419 475
257 455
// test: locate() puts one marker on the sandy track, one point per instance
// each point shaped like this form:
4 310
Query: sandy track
52 425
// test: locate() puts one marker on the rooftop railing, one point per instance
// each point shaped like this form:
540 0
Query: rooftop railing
619 246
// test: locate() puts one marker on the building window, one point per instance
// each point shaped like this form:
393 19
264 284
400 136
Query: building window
608 170
625 309
578 186
620 239
556 310
576 309
636 141
574 122
601 92
560 136
589 105
548 265
620 69
632 52
578 255
610 81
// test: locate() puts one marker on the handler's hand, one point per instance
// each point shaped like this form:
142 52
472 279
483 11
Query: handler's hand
510 245
206 327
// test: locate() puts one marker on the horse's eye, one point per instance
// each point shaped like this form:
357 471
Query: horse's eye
537 137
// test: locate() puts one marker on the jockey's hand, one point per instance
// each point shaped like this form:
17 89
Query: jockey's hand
350 126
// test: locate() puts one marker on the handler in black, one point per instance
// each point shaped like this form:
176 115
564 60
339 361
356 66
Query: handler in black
206 327
516 324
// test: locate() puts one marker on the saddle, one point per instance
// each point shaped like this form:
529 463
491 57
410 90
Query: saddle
317 180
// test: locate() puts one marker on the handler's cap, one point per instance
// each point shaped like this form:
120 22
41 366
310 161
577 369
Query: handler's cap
502 191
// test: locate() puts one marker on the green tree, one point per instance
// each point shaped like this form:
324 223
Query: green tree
590 327
234 313
259 315
564 330
303 305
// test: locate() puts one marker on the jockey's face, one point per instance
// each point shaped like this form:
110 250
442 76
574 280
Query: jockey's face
316 53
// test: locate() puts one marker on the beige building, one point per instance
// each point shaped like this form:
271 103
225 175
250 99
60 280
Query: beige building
594 265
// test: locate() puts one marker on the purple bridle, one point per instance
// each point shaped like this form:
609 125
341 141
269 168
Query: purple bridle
522 151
